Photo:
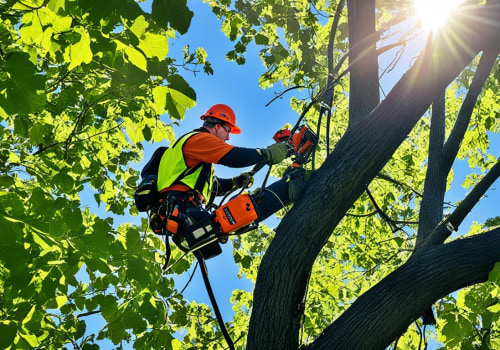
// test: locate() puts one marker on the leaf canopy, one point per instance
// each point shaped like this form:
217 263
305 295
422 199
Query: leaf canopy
82 87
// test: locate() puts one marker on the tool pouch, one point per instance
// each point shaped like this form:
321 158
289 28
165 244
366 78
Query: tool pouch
165 219
201 236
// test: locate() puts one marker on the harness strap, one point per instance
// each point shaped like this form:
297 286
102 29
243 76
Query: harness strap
168 212
210 292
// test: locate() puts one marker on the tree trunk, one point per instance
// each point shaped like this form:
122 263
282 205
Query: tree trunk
364 93
356 160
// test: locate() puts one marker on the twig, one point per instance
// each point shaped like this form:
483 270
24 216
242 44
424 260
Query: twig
54 85
90 313
81 140
384 216
399 183
284 92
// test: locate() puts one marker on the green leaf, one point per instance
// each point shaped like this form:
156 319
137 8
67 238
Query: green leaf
494 308
8 330
132 55
109 308
494 275
32 30
154 45
108 13
173 12
139 26
81 329
79 52
64 181
27 5
175 98
23 89
149 311
261 39
160 99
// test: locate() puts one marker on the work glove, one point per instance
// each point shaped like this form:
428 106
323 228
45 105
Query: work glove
275 153
243 180
297 179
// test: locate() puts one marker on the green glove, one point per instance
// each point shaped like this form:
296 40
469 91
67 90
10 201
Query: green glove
297 180
275 153
243 180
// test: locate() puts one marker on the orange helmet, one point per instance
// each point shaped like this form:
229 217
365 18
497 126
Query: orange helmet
223 113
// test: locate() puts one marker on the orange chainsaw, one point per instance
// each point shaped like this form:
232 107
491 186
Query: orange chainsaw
302 142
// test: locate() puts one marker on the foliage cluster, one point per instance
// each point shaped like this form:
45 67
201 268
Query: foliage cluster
83 83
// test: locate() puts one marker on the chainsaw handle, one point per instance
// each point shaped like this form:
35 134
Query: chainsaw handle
256 168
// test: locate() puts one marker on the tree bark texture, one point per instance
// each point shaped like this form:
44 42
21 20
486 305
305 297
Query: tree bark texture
431 208
364 94
356 160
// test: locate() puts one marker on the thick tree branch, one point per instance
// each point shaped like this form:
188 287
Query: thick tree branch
445 229
431 208
364 94
484 67
331 40
388 308
327 100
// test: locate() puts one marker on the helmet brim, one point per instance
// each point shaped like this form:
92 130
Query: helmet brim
235 129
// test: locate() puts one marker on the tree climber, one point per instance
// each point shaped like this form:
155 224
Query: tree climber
187 181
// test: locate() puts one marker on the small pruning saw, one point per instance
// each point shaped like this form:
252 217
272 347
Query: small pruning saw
302 142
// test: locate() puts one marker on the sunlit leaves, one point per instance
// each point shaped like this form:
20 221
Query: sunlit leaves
470 318
76 95
154 45
132 55
80 51
289 34
174 98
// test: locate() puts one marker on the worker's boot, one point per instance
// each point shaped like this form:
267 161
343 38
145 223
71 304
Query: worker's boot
297 179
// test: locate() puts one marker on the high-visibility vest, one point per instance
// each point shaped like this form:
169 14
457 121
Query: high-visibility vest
174 170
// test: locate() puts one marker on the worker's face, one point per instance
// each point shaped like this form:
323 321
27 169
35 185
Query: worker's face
222 131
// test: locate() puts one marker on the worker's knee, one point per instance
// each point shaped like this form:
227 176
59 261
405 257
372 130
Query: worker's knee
272 198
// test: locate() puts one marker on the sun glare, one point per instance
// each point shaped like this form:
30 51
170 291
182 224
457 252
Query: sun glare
434 13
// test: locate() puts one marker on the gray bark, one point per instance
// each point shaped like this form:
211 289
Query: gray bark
364 93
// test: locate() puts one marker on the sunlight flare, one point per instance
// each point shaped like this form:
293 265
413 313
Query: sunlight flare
434 13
